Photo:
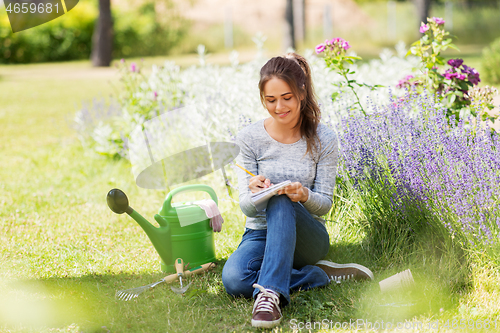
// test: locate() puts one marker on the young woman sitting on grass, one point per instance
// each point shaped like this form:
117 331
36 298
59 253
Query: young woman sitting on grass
282 246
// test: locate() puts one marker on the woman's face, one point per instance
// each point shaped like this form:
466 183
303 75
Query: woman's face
282 105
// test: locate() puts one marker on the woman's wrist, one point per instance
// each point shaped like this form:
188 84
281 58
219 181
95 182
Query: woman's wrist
305 196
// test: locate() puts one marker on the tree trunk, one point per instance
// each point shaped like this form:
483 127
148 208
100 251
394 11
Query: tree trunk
423 9
102 38
289 33
299 20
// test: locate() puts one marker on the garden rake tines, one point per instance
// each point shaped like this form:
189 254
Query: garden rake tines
128 294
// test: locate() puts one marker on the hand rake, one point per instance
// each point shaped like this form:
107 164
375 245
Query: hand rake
128 294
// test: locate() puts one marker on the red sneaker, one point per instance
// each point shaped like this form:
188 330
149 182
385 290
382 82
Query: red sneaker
266 311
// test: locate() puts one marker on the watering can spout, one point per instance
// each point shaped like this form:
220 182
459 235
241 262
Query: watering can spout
159 236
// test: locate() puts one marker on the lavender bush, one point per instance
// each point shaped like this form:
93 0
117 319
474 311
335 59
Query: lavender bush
419 174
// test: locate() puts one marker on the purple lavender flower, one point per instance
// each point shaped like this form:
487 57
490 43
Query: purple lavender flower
133 67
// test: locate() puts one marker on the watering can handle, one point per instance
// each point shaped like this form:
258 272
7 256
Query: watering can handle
167 204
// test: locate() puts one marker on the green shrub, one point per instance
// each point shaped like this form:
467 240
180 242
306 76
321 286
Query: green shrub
143 33
65 38
137 32
491 62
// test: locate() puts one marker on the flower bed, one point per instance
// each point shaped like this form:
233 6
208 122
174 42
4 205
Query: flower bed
230 95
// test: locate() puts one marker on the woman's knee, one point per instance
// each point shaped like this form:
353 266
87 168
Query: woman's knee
280 206
235 282
282 200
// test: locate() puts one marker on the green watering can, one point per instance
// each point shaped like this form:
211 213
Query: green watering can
193 242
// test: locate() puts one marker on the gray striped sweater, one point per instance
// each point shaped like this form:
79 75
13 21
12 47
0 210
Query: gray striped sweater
262 155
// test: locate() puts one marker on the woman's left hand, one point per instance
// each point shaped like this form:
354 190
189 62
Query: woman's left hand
296 192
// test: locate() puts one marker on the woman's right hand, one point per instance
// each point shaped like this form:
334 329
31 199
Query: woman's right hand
258 183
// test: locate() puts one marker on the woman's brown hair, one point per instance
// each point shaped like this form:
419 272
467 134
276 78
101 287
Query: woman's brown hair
294 70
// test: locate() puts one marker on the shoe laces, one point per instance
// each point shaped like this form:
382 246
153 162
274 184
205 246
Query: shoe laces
340 278
266 300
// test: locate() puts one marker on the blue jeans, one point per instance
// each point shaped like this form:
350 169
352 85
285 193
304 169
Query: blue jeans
282 257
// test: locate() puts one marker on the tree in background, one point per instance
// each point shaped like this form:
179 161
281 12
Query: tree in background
294 30
102 39
423 9
289 33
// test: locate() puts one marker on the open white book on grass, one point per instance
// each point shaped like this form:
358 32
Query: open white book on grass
261 198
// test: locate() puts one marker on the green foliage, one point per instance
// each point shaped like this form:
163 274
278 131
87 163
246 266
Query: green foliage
137 99
146 32
65 38
452 87
136 33
474 23
491 62
337 60
389 233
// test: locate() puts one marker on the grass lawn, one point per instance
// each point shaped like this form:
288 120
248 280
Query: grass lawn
64 253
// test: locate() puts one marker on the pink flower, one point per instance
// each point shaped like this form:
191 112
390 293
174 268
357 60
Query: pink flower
320 48
406 82
122 60
424 28
155 94
133 67
335 45
401 84
438 20
449 74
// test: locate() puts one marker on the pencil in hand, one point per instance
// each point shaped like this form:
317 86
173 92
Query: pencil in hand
239 166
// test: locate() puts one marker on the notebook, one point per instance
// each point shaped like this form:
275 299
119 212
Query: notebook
261 198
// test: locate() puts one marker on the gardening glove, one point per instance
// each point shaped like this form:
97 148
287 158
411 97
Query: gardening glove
212 212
